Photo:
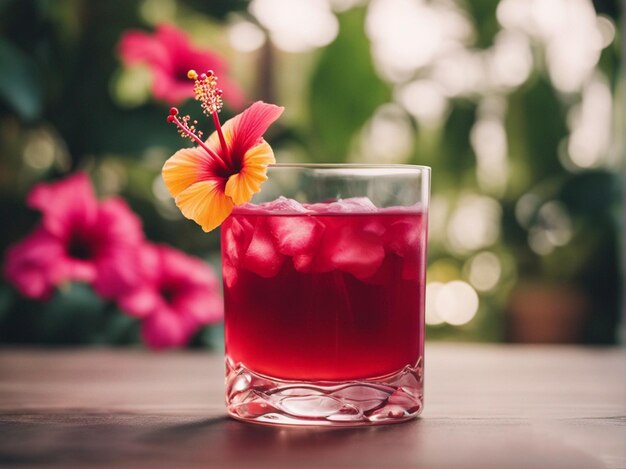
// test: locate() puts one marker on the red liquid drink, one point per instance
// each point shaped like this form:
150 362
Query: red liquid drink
327 292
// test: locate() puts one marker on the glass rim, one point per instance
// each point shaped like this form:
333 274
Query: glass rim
351 166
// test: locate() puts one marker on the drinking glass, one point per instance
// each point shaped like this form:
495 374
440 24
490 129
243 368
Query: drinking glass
324 296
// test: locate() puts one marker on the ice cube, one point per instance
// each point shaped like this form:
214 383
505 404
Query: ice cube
352 205
386 273
374 228
353 252
229 273
237 234
262 256
303 262
320 207
403 237
284 205
295 235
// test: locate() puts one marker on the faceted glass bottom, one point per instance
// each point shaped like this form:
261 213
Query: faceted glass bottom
261 399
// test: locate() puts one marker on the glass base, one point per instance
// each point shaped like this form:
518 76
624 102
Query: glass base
253 397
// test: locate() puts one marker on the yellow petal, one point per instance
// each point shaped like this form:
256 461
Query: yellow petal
183 169
243 185
205 203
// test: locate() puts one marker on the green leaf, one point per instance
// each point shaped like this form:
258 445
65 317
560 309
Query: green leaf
456 160
6 301
20 83
535 126
345 90
485 21
75 315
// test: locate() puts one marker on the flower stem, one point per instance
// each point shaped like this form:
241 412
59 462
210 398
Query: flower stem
218 128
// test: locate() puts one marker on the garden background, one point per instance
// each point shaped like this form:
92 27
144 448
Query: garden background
517 105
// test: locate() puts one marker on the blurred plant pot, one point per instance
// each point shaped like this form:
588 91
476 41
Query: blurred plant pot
546 313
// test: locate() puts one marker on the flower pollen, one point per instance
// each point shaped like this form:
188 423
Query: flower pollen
206 91
210 97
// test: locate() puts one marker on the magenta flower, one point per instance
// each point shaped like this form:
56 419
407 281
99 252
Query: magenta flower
170 54
178 294
101 243
28 265
78 239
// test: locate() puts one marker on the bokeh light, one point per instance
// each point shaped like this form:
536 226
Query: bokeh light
296 26
455 303
606 28
111 177
526 209
591 128
569 30
510 61
485 271
474 224
245 36
408 34
387 137
437 219
44 149
163 201
553 228
460 73
488 139
39 151
425 100
431 315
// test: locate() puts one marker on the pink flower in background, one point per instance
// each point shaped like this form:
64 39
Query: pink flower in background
28 265
101 243
78 239
178 294
170 54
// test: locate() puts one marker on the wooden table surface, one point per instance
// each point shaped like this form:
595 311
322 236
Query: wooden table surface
486 406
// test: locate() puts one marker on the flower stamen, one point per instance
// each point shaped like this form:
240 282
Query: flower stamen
189 131
210 97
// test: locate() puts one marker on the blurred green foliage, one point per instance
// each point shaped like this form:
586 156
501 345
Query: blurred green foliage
338 104
59 72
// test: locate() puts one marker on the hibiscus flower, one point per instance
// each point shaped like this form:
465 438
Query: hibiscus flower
169 54
78 239
178 294
229 167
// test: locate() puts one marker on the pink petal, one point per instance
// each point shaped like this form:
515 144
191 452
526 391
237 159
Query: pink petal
119 272
251 124
137 47
119 222
167 88
35 264
141 302
205 306
197 287
185 55
164 329
120 254
193 271
173 39
170 53
144 297
79 270
65 203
